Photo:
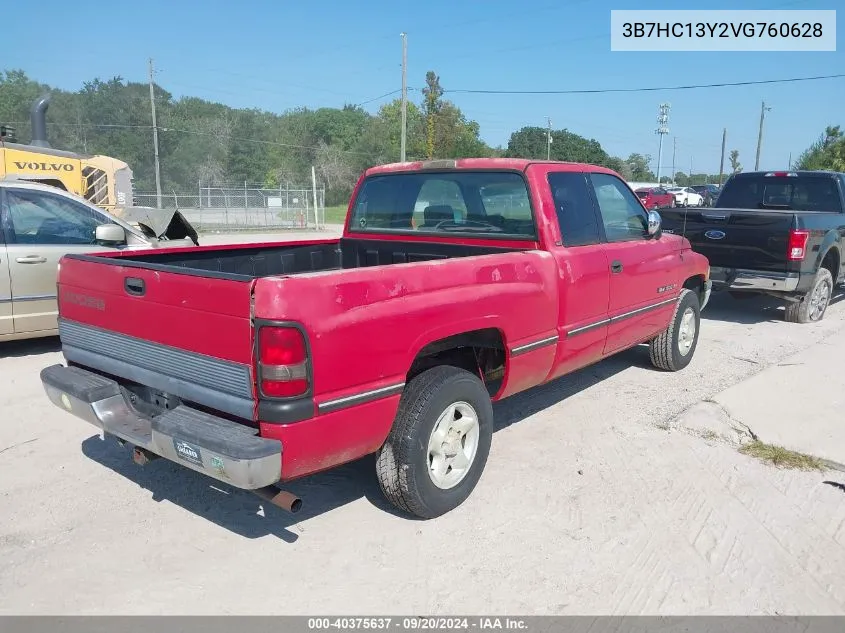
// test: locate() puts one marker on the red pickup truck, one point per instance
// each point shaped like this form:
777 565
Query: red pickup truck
454 284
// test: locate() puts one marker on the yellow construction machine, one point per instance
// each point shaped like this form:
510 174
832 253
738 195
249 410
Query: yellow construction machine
102 180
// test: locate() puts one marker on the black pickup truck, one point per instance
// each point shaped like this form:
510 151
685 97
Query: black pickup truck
779 233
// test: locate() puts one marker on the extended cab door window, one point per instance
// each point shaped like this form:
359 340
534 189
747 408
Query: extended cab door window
576 215
622 213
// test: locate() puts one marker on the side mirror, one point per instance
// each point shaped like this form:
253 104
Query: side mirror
654 223
110 234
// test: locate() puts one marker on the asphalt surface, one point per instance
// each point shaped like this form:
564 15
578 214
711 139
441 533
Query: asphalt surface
596 499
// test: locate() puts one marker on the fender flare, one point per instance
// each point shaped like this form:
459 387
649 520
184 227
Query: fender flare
828 243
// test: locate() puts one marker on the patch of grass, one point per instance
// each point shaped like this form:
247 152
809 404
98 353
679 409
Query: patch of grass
336 215
782 457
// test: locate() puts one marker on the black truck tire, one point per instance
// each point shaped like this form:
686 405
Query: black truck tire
407 469
673 349
814 304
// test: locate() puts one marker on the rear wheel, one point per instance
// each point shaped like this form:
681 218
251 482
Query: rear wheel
673 349
814 304
438 446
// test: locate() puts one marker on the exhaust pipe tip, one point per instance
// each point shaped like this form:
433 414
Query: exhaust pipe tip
280 498
38 120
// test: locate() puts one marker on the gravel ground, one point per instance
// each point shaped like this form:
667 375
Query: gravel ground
593 502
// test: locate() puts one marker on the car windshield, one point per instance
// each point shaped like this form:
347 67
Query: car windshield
642 194
798 193
490 203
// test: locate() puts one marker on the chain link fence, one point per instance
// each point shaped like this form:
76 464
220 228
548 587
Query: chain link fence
243 208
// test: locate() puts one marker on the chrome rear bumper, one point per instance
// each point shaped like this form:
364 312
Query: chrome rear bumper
219 448
743 279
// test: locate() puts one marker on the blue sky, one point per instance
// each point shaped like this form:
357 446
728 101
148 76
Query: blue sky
277 55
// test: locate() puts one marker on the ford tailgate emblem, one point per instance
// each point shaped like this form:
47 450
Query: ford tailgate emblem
714 235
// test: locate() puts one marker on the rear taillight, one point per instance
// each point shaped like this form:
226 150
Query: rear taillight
781 174
797 247
282 362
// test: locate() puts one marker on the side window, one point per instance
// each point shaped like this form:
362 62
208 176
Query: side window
574 208
622 214
40 218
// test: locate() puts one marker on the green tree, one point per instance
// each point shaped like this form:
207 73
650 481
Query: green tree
532 142
638 165
733 157
619 166
246 159
432 104
827 152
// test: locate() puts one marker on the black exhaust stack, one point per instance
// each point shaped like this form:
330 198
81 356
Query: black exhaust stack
38 118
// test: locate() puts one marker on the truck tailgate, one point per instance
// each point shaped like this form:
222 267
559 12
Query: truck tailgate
184 334
735 238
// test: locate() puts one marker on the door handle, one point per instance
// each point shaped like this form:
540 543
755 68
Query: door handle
616 267
134 286
31 259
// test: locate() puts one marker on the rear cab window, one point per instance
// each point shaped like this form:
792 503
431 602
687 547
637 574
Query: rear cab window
576 214
802 192
492 204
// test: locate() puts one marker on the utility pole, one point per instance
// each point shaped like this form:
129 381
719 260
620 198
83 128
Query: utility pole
155 137
674 150
662 130
404 95
549 139
722 162
689 178
789 165
763 109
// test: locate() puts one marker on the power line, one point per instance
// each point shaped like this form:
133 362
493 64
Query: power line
195 133
649 89
260 141
386 94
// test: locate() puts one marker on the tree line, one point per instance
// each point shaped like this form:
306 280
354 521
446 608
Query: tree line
206 142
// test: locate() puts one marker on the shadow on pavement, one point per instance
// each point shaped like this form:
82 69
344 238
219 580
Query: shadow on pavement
750 309
240 511
30 347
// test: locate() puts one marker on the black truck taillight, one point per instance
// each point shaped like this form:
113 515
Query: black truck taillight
797 245
282 362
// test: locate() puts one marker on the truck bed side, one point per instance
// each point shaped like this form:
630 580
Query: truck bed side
392 313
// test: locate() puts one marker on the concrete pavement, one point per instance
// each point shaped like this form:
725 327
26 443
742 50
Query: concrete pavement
796 403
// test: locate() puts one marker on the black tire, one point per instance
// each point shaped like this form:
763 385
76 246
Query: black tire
664 349
402 463
805 311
